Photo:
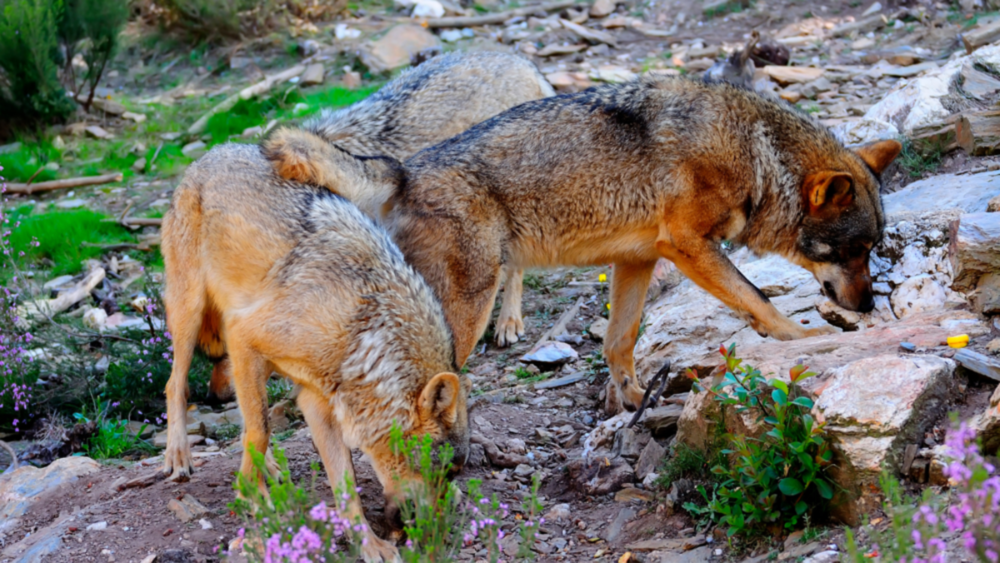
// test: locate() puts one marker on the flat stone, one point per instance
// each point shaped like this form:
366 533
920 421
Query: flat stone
558 512
970 192
160 440
313 75
98 132
187 508
614 531
650 459
561 381
979 363
20 488
551 353
785 75
194 149
629 494
397 47
629 443
598 330
602 8
110 107
74 203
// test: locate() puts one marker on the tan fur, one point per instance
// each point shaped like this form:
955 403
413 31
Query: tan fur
424 106
309 287
629 174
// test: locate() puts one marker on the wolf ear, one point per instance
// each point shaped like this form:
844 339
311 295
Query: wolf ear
439 399
828 190
879 155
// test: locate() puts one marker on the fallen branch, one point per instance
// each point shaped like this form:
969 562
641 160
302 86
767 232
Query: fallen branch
660 376
143 481
245 94
499 17
47 307
560 326
63 184
976 38
13 456
137 221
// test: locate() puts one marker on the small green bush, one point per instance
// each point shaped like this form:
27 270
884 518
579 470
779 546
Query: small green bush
99 22
210 20
777 479
115 440
29 86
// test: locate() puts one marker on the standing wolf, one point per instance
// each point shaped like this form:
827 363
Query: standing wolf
628 173
308 286
422 106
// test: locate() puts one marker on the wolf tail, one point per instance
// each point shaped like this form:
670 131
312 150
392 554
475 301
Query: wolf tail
305 157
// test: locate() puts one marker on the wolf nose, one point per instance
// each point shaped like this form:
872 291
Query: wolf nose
867 304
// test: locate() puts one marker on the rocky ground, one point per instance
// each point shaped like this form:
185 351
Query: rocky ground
886 382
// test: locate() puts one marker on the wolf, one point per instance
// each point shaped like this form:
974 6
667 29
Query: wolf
305 284
629 173
424 105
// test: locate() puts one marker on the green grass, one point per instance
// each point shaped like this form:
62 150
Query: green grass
21 164
727 8
114 440
915 162
281 106
60 236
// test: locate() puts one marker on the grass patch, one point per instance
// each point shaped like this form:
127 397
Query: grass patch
114 440
916 163
59 237
20 165
281 106
727 8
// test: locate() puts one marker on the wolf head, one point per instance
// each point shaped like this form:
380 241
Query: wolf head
843 221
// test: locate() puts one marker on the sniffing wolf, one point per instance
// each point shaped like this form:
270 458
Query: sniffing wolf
306 285
629 173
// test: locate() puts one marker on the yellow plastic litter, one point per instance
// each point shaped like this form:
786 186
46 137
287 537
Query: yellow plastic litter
959 341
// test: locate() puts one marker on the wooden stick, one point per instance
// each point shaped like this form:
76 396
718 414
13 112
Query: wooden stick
500 17
66 299
560 325
63 184
245 94
137 221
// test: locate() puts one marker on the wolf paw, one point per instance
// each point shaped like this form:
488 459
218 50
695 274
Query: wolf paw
509 330
177 462
377 550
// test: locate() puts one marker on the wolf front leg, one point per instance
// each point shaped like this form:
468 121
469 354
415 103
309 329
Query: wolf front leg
629 283
250 374
510 324
701 260
336 456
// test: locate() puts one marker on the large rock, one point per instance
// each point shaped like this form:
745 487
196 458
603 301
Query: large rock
975 248
988 425
397 47
921 101
871 427
600 476
22 487
823 355
971 193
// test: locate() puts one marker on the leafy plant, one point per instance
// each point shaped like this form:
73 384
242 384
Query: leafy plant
918 531
96 25
30 90
917 161
135 381
18 371
779 478
277 389
114 440
438 524
291 523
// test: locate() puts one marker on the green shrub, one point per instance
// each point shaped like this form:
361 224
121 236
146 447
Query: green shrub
29 86
209 20
135 381
99 22
777 479
114 440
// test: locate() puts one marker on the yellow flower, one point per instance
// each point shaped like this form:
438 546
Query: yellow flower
602 278
609 306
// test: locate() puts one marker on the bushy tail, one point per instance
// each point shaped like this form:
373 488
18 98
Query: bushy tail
305 157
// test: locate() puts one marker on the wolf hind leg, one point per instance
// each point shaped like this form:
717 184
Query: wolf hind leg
510 324
629 283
